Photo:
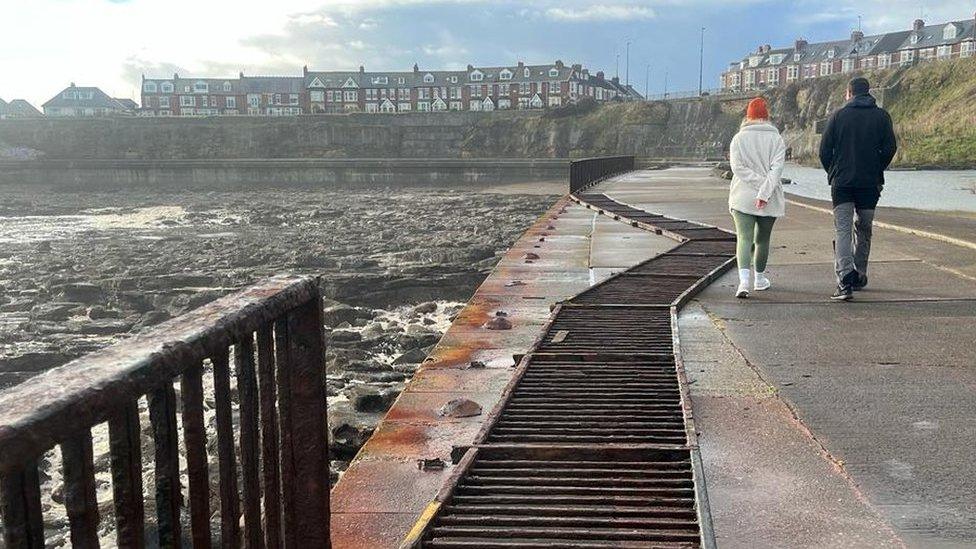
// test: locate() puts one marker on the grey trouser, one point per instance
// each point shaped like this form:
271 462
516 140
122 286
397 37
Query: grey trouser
852 243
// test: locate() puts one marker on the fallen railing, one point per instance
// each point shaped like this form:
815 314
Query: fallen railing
272 334
588 171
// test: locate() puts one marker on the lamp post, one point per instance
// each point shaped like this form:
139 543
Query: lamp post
701 62
627 63
666 73
647 79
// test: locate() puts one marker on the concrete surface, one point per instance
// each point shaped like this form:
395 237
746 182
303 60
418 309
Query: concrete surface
830 424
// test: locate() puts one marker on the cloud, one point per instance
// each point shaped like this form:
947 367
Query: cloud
600 13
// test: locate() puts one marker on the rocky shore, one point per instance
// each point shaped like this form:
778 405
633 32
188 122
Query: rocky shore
79 271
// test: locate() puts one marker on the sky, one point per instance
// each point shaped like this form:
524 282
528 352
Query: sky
46 44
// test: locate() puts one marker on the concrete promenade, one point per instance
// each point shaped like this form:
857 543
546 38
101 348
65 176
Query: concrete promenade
828 424
821 424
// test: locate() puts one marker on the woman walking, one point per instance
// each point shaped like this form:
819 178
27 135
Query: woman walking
757 155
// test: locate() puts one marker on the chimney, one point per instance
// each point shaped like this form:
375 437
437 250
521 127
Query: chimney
240 75
918 25
599 75
416 68
521 64
72 85
362 69
857 36
304 70
559 64
470 68
615 80
800 44
577 67
176 76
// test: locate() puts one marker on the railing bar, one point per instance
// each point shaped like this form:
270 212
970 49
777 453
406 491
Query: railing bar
20 506
251 485
162 416
78 463
126 454
195 440
229 499
269 439
286 464
304 442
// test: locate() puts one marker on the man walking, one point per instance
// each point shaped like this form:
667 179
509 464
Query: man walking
857 147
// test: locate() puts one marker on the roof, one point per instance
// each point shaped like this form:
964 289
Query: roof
84 97
127 103
272 84
931 36
215 86
490 75
20 108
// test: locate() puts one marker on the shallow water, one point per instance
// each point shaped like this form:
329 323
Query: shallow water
921 190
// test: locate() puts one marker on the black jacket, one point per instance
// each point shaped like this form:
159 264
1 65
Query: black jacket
858 145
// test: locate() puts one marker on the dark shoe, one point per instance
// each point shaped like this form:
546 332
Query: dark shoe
843 293
862 281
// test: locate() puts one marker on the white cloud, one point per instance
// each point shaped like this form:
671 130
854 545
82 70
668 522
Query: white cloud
600 12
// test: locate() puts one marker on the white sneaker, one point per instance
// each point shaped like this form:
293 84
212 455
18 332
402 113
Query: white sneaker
762 283
743 291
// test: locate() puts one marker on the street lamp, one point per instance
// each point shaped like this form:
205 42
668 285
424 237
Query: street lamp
628 63
701 62
647 79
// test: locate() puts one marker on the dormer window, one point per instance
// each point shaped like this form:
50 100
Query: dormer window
527 73
166 87
200 87
505 75
454 80
949 32
477 76
830 54
149 87
553 72
400 80
914 38
428 78
754 60
796 57
227 86
380 80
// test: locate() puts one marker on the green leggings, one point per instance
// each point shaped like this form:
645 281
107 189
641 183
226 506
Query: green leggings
752 239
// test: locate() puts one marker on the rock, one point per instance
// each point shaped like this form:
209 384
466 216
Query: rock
425 308
373 330
340 336
99 312
360 322
476 365
460 407
153 318
105 326
55 310
44 246
413 356
499 322
417 329
80 292
374 402
337 314
366 366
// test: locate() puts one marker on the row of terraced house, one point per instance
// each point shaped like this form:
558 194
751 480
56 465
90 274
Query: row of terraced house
519 86
770 67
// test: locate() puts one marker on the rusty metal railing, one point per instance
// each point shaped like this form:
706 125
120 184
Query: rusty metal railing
271 334
588 171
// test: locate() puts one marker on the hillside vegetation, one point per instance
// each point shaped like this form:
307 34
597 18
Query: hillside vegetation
933 106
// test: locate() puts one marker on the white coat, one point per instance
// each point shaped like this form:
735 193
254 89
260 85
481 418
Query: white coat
757 155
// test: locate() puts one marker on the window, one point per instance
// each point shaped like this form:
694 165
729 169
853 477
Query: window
200 87
553 72
475 91
454 80
526 72
914 39
230 102
554 88
477 76
525 88
847 65
149 87
945 51
372 107
276 99
474 105
827 67
380 80
404 107
372 94
423 106
164 102
772 76
351 96
750 79
456 105
423 93
907 56
166 87
455 93
227 86
404 93
188 101
796 56
504 104
428 78
400 80
505 75
754 60
213 101
884 60
187 112
949 32
830 54
253 100
792 72
316 96
293 99
968 48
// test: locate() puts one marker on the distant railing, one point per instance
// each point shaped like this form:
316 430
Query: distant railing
585 172
272 334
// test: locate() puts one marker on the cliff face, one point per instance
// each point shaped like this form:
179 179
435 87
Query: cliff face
933 107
